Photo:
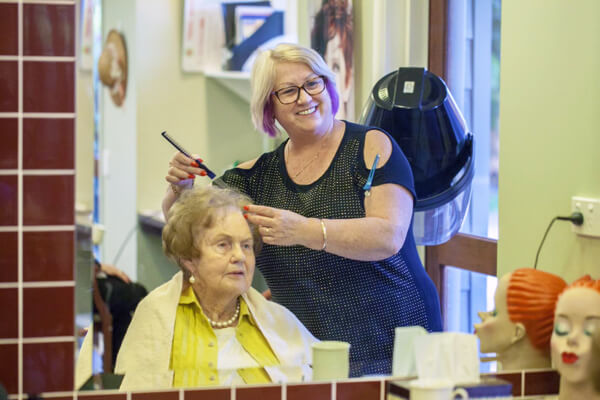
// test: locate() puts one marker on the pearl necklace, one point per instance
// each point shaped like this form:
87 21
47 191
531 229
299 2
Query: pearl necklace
225 324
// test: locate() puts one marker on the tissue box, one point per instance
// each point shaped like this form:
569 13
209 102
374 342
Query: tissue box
487 388
447 355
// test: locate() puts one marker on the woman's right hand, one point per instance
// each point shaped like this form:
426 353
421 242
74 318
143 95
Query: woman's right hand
182 168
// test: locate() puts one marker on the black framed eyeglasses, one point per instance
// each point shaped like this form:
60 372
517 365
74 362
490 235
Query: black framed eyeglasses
291 94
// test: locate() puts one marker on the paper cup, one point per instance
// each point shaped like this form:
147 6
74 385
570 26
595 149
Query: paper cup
330 360
97 233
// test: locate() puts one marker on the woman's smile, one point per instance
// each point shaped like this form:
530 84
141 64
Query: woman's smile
308 111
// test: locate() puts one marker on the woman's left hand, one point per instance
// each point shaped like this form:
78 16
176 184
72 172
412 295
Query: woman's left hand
277 226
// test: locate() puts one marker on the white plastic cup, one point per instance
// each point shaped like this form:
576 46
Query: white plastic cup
97 233
435 389
330 360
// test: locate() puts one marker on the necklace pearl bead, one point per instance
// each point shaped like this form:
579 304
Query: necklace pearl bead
225 324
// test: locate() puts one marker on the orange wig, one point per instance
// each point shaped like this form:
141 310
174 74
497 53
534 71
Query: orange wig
531 298
585 282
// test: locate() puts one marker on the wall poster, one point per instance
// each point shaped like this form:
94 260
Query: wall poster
332 35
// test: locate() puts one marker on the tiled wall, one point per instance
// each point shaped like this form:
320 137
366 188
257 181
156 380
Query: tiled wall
37 136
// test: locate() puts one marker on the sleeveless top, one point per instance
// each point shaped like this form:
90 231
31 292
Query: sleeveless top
336 298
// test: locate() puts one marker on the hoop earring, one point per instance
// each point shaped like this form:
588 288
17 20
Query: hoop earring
192 280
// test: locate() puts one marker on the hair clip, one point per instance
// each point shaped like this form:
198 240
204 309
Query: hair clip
367 187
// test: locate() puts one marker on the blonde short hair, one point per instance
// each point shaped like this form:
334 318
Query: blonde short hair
195 211
263 81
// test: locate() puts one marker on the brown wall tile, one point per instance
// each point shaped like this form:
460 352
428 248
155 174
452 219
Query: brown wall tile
9 136
207 394
315 391
49 143
9 257
48 311
261 392
48 367
9 83
48 256
49 87
8 29
48 30
8 199
48 200
369 390
9 371
103 396
541 382
170 395
9 310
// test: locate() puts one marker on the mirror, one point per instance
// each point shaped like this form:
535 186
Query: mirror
131 156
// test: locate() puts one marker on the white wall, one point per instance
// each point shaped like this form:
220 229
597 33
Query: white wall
118 159
549 132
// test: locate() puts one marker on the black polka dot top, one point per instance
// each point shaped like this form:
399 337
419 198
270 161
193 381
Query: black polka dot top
337 298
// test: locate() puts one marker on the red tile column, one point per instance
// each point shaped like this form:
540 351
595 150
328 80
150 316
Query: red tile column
37 175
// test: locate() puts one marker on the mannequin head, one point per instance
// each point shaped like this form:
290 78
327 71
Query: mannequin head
519 328
576 322
596 358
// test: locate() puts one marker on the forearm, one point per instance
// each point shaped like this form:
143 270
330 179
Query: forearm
168 200
363 239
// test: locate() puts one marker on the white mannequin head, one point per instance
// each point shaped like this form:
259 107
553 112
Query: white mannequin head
576 321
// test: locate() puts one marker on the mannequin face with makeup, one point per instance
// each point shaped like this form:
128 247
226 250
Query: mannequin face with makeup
577 318
497 332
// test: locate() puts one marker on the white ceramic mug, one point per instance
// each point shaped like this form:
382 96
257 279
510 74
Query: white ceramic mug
330 360
435 389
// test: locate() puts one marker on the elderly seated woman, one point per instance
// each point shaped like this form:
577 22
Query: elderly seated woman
207 326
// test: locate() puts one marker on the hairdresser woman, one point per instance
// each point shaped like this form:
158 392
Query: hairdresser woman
207 326
343 259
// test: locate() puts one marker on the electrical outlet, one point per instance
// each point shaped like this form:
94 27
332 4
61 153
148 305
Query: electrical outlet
590 208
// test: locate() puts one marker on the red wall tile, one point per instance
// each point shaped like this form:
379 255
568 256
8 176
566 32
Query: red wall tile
48 367
9 136
9 310
103 396
48 256
48 30
369 390
261 392
49 143
541 382
319 391
9 83
8 30
49 87
170 395
8 257
48 311
8 199
9 371
48 200
207 394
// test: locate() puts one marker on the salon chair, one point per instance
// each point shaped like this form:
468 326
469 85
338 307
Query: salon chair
103 322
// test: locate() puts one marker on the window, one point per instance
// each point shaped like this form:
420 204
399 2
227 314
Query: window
471 68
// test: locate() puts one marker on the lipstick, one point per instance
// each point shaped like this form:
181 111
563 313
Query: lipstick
569 358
